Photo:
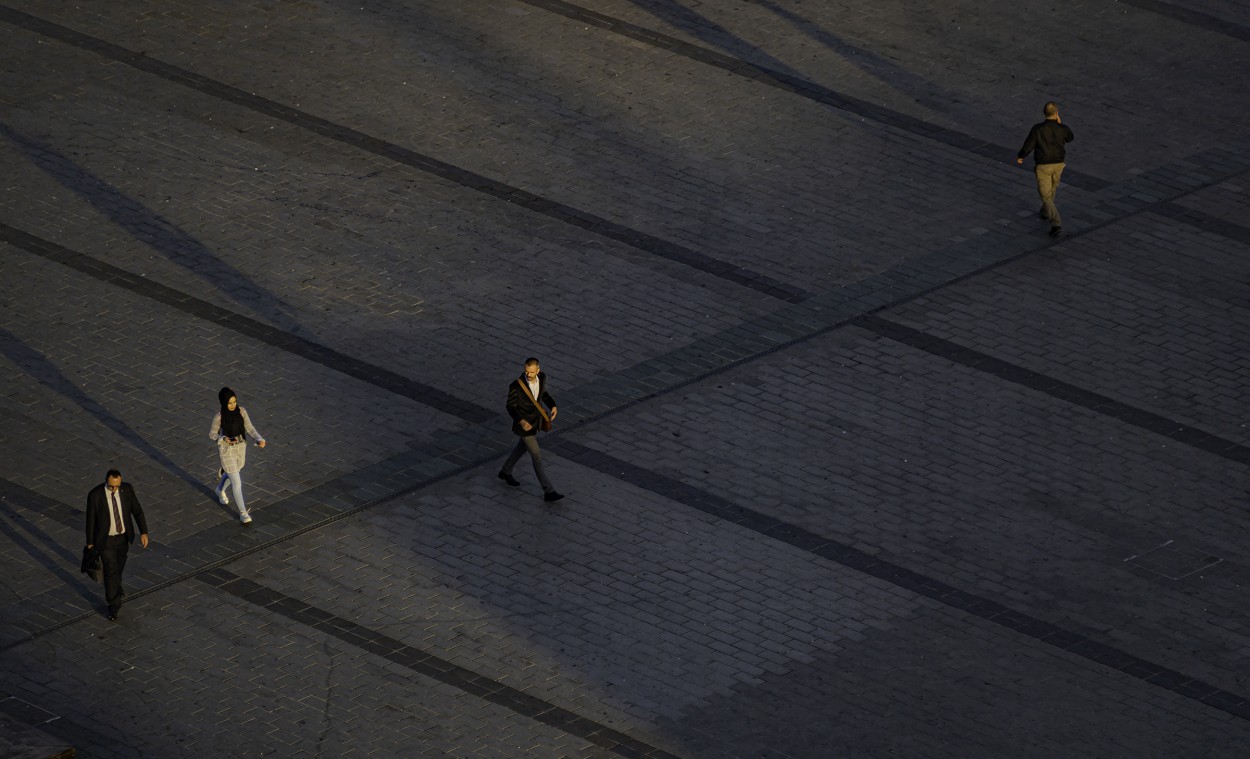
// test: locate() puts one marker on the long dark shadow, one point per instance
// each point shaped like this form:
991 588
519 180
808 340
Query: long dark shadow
796 85
923 585
909 83
154 230
48 508
430 665
950 350
1194 17
636 239
47 374
1206 222
75 580
690 20
251 328
918 88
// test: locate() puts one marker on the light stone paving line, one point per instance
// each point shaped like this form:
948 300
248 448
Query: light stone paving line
430 665
691 497
842 553
346 135
741 345
837 308
1064 391
776 335
262 546
798 86
773 331
737 345
377 376
1205 222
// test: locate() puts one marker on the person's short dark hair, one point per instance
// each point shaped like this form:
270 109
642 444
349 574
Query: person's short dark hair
531 361
1050 109
110 474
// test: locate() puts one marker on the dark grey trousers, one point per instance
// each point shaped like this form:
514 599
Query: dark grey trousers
528 443
113 558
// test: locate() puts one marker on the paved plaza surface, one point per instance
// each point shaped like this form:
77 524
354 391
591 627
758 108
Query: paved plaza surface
859 461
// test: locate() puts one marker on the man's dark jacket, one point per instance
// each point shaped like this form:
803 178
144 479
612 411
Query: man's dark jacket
520 407
98 517
1046 141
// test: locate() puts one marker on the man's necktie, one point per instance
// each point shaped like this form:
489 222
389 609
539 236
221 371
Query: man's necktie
117 514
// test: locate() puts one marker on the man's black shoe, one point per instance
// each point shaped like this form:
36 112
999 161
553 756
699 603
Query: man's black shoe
552 496
509 479
1056 231
113 614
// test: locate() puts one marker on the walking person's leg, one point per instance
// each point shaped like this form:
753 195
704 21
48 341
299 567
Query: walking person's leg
113 562
1056 172
518 451
221 489
536 455
236 485
122 552
1047 185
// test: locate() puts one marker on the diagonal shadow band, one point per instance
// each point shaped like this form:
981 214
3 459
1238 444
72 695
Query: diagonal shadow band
155 231
738 345
786 82
430 665
54 564
1064 391
924 91
346 135
899 576
286 520
375 375
1193 18
741 517
47 374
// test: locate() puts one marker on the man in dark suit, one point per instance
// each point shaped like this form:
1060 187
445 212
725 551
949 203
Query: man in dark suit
526 397
112 512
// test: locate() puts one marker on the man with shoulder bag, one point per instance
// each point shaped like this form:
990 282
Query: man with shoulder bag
527 396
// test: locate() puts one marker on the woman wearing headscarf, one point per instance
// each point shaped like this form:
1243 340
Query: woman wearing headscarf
229 430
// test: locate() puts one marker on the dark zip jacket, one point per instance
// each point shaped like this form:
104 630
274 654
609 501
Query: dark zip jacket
1046 141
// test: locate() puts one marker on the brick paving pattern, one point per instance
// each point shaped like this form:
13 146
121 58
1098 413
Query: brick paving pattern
859 462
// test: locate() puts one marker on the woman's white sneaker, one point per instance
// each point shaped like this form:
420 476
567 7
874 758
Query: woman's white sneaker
245 518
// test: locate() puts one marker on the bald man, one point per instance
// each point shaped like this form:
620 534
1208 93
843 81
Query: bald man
1046 142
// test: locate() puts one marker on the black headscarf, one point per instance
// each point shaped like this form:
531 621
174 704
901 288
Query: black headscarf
231 421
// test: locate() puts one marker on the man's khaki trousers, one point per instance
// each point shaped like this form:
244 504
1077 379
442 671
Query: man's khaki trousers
1047 185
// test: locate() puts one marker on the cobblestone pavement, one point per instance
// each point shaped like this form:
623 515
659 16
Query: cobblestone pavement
859 462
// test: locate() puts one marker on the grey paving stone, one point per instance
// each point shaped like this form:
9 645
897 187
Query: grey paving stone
633 603
1112 309
1145 495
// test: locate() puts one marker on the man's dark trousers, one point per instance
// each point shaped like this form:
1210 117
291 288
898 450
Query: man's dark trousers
529 443
113 557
